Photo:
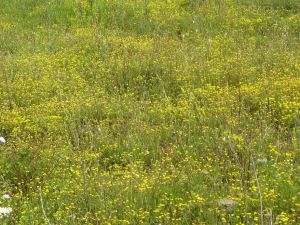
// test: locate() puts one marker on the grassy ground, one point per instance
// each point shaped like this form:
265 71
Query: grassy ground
150 111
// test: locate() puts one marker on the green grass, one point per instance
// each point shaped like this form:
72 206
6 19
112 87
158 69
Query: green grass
150 111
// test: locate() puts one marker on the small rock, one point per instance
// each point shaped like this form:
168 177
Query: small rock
205 172
2 139
261 161
228 203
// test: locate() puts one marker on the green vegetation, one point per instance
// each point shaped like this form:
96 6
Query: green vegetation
150 111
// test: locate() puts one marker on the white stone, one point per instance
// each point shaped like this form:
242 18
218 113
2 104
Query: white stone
2 139
227 202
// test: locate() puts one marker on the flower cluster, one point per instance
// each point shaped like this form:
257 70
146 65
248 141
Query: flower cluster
150 112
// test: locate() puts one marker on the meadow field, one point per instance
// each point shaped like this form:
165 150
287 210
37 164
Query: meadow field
150 112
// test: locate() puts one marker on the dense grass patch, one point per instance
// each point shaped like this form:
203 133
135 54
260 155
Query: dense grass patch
150 112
